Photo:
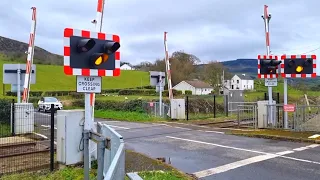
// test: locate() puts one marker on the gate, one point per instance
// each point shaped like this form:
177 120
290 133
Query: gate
247 116
25 138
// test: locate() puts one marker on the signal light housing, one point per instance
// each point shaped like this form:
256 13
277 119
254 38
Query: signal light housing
268 66
298 66
91 53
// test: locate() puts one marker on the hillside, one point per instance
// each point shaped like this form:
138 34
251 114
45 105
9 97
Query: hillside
250 66
14 50
52 78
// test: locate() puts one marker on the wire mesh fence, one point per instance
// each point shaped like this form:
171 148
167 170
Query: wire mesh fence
154 109
25 138
204 107
304 118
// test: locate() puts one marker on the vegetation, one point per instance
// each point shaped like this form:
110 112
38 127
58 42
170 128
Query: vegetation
162 175
276 134
125 115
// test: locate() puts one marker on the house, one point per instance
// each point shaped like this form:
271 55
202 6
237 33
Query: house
126 67
240 82
197 87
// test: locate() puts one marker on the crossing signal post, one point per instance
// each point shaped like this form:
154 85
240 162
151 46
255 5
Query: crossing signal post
296 66
268 69
89 56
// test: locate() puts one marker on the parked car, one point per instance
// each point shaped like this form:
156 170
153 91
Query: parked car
44 104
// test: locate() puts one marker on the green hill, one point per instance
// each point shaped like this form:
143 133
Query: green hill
52 78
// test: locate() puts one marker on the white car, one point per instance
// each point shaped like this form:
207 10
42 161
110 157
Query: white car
44 104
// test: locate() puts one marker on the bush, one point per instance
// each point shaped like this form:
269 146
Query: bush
77 95
141 92
188 92
132 105
5 110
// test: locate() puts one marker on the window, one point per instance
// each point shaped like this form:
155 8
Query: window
238 81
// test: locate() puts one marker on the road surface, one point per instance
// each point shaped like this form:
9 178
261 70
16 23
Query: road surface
211 154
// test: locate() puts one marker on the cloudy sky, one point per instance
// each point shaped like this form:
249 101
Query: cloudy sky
210 29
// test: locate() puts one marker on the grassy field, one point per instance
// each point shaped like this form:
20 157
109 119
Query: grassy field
52 78
294 95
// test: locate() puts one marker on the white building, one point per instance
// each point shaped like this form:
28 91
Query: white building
197 87
240 82
126 67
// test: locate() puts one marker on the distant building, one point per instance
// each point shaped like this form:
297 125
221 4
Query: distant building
240 82
197 87
126 67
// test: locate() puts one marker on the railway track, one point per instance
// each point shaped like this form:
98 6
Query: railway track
245 122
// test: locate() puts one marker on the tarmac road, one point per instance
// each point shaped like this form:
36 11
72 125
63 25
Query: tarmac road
211 154
215 155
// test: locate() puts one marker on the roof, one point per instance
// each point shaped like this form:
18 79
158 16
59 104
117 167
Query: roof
198 84
244 77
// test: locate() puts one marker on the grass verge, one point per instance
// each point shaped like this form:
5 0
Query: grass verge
149 169
277 134
125 115
161 175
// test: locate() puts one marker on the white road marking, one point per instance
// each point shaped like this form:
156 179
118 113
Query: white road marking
41 135
314 136
313 145
218 145
245 162
215 132
117 126
284 152
300 149
233 165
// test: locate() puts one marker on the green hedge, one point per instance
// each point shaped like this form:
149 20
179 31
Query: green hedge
132 105
188 92
5 110
147 92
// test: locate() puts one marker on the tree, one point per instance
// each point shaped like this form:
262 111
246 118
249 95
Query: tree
212 73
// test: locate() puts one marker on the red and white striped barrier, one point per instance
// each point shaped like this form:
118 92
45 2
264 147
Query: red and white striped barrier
26 86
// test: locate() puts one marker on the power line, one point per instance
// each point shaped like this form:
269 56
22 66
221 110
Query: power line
312 50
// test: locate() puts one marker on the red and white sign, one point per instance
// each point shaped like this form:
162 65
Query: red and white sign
263 76
68 32
289 108
314 65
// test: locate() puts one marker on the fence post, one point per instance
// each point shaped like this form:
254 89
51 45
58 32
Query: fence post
214 106
187 107
13 120
238 115
52 138
226 105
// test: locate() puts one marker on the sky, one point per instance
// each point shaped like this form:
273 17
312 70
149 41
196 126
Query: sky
209 29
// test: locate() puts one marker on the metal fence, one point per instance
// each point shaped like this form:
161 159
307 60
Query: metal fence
25 139
153 109
247 116
304 118
233 106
